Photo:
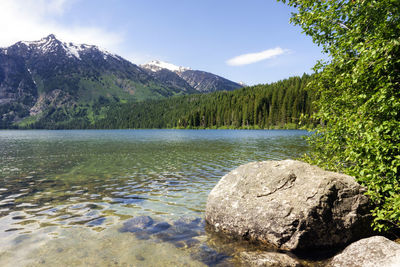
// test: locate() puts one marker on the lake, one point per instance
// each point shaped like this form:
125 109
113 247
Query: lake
122 197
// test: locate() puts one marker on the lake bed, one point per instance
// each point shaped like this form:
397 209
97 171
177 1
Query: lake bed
66 196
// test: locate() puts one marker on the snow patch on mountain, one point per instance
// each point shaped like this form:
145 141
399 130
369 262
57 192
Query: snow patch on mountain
45 45
75 50
72 50
157 65
107 54
30 72
42 42
51 43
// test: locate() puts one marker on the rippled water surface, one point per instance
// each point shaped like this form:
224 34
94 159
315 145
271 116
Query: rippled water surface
121 197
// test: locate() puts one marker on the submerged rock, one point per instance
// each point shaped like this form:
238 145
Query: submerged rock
289 204
369 252
182 233
136 224
270 259
159 227
191 242
209 256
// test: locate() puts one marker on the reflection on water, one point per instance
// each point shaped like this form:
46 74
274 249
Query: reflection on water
66 195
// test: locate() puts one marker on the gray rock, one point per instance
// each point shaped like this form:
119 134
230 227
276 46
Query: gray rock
209 256
369 252
270 259
289 204
136 224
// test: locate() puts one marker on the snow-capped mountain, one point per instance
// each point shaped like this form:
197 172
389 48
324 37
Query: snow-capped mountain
38 76
200 81
50 57
157 65
51 45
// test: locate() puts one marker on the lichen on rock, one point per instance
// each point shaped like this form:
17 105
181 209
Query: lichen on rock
369 252
289 204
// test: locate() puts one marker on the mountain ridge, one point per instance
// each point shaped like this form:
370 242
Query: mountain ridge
201 81
157 65
38 76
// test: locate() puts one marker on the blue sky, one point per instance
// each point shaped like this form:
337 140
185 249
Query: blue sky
250 41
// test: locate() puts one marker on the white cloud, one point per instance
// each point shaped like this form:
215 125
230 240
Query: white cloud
256 57
30 20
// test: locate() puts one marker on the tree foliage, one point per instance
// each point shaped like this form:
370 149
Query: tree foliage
277 105
284 104
358 91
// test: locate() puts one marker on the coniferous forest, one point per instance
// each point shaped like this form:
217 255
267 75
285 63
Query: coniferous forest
284 105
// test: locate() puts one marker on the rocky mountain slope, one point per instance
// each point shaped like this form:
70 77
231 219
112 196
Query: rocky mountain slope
201 81
38 76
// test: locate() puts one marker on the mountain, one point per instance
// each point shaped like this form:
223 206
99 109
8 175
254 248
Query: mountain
200 81
157 65
39 77
17 89
284 104
168 75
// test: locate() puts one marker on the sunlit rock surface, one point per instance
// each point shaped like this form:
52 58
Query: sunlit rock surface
289 204
270 259
369 252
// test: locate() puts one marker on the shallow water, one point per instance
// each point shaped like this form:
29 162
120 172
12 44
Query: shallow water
76 197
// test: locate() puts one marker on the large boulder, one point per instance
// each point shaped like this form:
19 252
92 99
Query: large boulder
289 204
369 252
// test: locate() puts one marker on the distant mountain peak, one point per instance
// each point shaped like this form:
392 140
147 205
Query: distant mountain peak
51 36
157 65
45 41
198 80
50 44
